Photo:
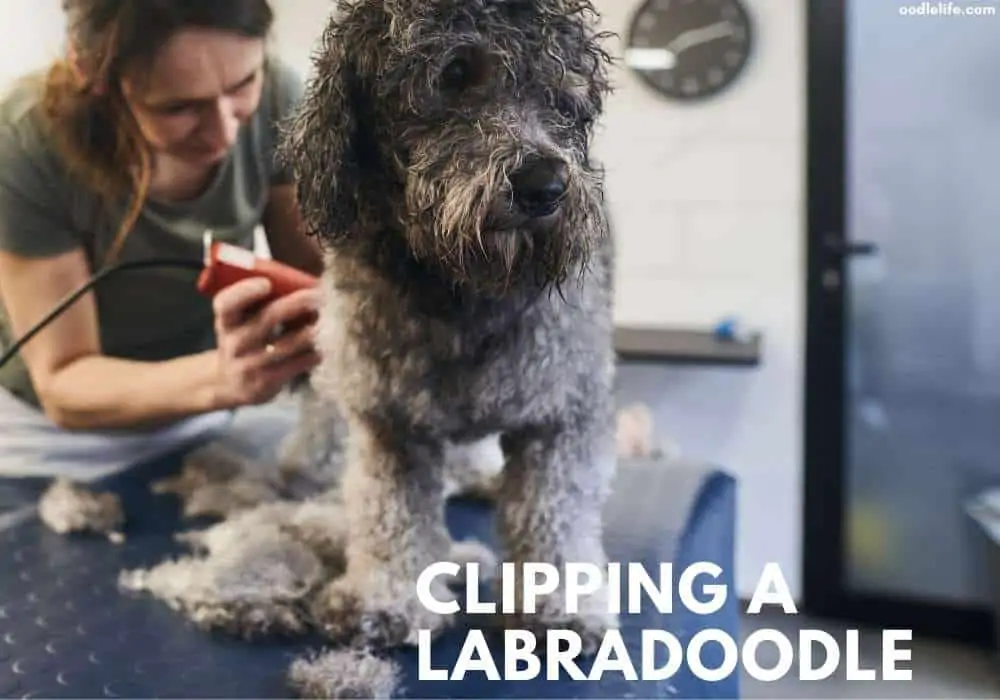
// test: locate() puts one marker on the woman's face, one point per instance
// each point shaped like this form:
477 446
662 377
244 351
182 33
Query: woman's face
201 87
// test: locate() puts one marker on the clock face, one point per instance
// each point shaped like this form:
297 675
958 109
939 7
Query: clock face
689 49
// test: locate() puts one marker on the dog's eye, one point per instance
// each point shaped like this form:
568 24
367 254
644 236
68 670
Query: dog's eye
565 105
462 72
571 109
457 75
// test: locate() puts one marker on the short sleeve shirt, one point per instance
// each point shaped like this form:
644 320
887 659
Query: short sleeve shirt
153 313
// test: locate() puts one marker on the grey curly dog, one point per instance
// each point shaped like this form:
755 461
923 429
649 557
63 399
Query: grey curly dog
442 157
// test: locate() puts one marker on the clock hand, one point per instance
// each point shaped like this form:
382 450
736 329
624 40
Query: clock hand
702 35
644 58
666 58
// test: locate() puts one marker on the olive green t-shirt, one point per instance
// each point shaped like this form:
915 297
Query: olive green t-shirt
147 314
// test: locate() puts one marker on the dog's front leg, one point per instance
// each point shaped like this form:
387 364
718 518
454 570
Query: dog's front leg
550 512
393 493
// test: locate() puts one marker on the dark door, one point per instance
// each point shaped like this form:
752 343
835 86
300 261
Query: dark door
903 340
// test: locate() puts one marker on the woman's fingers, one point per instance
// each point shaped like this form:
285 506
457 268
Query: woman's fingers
288 345
233 304
285 312
257 360
268 379
296 365
290 308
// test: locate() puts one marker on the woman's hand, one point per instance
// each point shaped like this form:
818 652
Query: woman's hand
254 363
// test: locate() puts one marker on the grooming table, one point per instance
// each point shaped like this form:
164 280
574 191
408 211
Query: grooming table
66 631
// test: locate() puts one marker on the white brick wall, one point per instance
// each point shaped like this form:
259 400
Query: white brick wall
707 203
707 198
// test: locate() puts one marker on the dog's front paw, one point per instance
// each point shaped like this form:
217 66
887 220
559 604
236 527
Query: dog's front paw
589 619
589 625
372 616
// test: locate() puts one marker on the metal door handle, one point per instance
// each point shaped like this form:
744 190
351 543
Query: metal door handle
846 249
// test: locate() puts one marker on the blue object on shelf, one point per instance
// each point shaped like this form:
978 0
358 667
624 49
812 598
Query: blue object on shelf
67 632
729 330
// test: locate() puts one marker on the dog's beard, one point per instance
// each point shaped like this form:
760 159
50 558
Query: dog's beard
462 219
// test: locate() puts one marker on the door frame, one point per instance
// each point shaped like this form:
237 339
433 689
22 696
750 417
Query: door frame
825 590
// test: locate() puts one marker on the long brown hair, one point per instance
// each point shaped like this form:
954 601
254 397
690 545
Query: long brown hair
86 111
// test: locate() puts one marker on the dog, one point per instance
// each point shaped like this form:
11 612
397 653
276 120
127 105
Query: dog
441 155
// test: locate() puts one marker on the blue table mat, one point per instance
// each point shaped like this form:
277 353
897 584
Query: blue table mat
66 631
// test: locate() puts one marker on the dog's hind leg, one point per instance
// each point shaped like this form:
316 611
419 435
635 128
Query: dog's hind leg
393 494
550 512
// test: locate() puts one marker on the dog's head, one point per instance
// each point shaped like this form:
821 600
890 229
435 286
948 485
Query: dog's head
461 126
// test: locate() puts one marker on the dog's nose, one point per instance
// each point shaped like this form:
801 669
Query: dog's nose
539 186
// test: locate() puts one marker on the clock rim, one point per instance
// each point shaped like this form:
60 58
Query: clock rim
738 70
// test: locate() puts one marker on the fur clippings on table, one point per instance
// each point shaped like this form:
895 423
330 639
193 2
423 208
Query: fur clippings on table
216 481
255 585
347 673
67 507
262 568
257 571
317 523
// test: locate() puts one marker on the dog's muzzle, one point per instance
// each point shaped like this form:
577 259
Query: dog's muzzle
539 186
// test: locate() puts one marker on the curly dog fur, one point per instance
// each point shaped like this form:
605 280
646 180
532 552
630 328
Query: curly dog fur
442 158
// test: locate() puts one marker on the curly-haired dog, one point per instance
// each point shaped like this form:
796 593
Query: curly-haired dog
442 156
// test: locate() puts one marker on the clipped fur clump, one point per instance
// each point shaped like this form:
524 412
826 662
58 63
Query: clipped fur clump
213 463
66 507
259 586
253 573
473 470
347 673
317 524
259 571
216 481
321 525
220 500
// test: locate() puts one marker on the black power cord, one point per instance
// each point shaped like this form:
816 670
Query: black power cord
183 263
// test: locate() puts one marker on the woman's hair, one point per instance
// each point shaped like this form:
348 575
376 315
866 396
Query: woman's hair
86 112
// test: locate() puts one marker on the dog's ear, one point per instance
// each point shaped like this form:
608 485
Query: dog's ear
320 140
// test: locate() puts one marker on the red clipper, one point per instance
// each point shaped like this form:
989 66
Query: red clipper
226 264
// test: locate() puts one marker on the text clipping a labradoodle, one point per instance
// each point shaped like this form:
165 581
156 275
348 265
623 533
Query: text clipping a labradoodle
662 653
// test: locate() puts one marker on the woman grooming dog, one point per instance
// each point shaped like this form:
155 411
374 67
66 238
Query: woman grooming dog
159 123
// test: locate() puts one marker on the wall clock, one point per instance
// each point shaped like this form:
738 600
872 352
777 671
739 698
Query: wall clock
689 50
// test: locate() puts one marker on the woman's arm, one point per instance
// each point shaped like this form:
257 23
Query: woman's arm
286 234
76 385
79 388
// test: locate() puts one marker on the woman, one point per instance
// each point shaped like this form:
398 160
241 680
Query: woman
160 124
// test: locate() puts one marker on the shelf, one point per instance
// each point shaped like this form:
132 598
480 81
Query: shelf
684 346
